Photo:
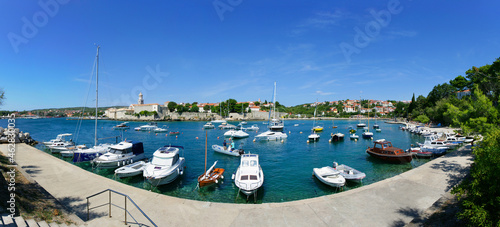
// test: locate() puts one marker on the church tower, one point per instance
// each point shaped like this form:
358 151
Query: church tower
141 100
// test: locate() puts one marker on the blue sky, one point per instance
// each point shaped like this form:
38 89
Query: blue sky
207 51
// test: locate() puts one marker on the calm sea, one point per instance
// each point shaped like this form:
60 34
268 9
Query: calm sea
287 166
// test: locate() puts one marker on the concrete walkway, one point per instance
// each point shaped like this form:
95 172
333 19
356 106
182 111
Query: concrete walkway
391 202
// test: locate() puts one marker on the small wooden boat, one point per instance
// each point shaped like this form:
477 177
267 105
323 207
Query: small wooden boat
131 170
329 176
174 133
220 149
349 173
211 176
384 150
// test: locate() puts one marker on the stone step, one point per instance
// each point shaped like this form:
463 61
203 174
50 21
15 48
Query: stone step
63 225
43 224
31 223
20 221
53 224
7 221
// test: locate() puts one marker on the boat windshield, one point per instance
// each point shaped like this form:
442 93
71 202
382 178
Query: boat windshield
117 151
164 161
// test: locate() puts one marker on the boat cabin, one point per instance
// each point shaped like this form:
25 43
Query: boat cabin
385 147
165 156
249 167
127 147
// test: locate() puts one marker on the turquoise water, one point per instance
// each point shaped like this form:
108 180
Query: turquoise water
287 166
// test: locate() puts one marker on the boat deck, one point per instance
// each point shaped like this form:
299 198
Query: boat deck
401 198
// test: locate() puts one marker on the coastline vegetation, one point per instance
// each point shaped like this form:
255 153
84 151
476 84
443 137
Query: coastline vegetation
475 111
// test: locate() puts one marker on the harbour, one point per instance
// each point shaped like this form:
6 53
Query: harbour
285 163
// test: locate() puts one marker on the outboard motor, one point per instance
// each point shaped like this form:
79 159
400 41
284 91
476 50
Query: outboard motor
335 164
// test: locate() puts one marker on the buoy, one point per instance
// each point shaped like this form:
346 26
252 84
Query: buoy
356 140
289 132
217 137
371 138
282 141
307 141
300 132
176 137
329 141
166 134
156 134
253 140
197 137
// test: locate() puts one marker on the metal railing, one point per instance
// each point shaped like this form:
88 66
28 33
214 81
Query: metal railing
125 208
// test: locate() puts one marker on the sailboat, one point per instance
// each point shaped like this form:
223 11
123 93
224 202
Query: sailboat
211 176
276 126
367 134
314 137
88 154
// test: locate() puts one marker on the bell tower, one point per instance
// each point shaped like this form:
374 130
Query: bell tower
141 100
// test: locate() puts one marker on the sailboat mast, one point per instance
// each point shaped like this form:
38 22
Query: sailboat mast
206 138
274 101
96 95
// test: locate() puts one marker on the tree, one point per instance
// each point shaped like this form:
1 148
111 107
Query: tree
439 92
171 106
194 108
460 83
479 194
412 104
206 108
2 96
257 103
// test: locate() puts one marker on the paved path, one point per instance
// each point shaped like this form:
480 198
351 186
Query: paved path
391 202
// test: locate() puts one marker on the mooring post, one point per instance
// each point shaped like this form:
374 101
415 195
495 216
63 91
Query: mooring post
88 209
125 209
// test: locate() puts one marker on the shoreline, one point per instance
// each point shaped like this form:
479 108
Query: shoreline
427 184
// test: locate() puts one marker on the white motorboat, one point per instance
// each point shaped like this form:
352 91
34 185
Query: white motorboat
149 127
314 137
68 149
234 152
57 147
121 154
270 135
209 125
89 154
249 176
59 138
165 166
295 125
378 130
354 136
131 170
219 121
252 128
243 123
121 126
329 176
237 134
161 129
228 126
349 173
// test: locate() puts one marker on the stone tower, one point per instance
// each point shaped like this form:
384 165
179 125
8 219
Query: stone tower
141 100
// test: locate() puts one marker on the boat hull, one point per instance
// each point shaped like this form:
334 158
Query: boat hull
329 176
130 170
214 178
391 158
220 149
108 164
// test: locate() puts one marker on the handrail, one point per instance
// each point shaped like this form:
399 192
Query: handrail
109 203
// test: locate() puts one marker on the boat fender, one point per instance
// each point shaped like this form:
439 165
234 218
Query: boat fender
329 141
253 140
222 177
233 176
282 141
118 164
216 181
124 162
